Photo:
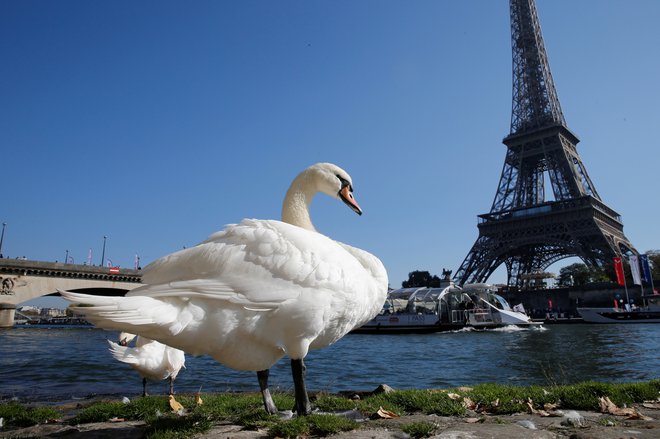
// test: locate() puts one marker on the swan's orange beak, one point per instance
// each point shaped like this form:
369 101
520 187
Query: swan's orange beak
346 196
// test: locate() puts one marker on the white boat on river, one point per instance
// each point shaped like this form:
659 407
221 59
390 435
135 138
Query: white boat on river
649 313
423 310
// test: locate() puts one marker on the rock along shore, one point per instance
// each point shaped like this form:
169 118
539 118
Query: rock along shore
568 424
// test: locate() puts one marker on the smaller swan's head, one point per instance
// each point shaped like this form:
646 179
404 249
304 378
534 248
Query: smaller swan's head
334 181
125 338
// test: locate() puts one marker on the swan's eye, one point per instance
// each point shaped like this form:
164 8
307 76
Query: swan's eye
345 183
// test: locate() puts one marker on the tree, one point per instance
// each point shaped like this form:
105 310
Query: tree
418 279
579 274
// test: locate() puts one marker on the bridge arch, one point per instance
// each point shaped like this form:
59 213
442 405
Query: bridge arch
23 280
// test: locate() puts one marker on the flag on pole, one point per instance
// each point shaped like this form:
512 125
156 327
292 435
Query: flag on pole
634 270
618 269
646 269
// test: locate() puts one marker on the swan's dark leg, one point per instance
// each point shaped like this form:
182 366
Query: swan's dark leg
269 405
302 400
144 387
171 386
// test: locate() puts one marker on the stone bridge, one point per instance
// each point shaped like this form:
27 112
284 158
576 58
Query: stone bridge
22 280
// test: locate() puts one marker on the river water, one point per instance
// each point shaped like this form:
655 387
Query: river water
69 363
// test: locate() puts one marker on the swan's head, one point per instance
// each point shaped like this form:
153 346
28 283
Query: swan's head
125 338
334 181
321 177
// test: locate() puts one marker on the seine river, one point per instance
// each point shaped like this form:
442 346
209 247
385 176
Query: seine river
67 363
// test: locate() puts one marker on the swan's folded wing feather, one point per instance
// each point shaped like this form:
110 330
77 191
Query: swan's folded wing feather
257 263
210 289
124 313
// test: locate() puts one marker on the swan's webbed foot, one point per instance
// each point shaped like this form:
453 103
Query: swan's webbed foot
144 387
269 405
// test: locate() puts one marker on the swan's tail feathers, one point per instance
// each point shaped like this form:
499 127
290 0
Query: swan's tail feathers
141 315
124 354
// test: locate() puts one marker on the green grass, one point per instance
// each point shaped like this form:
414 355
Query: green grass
414 401
319 425
247 409
17 415
419 429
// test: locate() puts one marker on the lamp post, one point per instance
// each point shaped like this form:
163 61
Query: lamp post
66 257
2 237
103 253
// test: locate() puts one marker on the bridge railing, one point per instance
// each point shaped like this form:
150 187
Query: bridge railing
23 267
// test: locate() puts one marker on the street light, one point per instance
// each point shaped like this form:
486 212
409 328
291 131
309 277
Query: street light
66 257
103 253
2 237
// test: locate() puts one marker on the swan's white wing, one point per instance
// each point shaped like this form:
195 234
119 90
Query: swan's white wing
257 263
135 313
370 263
176 359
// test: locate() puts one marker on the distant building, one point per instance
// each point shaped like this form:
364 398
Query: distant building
52 312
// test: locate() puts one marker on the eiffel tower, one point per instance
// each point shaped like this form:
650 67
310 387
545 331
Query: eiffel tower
523 230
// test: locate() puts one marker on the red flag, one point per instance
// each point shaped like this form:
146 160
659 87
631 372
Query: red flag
618 269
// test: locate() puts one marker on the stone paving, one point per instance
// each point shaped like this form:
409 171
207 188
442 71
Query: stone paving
571 424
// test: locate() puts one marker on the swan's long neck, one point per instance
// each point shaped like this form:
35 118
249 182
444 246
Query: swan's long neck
295 209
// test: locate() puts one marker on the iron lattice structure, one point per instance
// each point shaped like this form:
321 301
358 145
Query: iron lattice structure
523 230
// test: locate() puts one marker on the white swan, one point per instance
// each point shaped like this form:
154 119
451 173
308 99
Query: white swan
151 359
257 290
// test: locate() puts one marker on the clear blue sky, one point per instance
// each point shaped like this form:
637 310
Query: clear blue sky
157 122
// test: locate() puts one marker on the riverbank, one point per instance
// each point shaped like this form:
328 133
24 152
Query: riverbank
587 410
579 425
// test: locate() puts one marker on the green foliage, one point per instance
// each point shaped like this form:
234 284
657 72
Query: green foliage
318 425
419 429
332 403
583 396
144 409
17 415
170 427
255 419
421 279
503 399
580 274
100 412
294 428
629 393
586 395
413 401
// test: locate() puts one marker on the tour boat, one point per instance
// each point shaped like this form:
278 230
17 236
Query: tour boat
425 310
650 313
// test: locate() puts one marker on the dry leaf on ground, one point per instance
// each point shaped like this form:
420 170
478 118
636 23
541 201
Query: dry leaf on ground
386 414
